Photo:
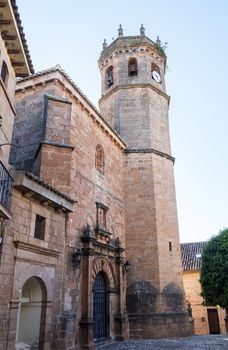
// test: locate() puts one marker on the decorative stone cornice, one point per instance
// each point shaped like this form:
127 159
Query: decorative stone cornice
149 150
36 249
122 45
133 86
56 144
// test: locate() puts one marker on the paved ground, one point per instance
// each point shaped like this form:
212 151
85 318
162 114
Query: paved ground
209 342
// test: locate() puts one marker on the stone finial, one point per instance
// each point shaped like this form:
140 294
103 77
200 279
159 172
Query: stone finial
158 41
105 44
120 31
87 231
142 30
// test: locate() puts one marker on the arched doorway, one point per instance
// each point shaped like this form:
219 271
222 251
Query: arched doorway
31 327
100 307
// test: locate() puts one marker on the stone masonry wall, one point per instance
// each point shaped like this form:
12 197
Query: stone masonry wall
89 186
22 256
29 127
72 170
137 107
140 116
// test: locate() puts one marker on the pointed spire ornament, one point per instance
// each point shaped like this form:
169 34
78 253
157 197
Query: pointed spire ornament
142 30
105 44
120 31
158 41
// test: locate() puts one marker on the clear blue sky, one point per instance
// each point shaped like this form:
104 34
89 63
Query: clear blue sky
71 32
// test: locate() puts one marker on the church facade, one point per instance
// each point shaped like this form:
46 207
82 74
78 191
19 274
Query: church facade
91 251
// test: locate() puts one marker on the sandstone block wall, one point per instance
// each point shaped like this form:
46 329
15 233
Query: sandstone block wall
22 256
29 128
137 107
74 124
70 131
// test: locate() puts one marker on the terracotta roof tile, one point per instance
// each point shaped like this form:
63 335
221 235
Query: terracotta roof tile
22 35
50 187
191 255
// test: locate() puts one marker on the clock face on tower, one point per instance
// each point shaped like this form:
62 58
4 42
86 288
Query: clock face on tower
156 76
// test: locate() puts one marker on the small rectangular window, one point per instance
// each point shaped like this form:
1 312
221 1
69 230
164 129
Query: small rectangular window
39 227
170 246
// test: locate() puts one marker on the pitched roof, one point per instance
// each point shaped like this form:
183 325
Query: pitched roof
59 69
22 35
12 33
191 255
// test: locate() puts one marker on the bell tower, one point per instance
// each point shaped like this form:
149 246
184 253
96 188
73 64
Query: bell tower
135 103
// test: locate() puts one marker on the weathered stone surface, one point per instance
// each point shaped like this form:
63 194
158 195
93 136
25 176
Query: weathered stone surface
124 210
137 107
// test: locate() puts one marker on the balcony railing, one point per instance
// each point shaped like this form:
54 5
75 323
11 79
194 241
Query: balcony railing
6 182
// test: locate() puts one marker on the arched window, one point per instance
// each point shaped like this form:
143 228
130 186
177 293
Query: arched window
109 77
4 73
99 159
132 67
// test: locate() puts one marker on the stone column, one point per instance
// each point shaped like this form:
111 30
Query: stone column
13 321
121 319
86 322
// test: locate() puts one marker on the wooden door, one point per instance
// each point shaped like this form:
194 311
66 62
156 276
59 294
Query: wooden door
213 321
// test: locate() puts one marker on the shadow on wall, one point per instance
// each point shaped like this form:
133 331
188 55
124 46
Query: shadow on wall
142 297
173 297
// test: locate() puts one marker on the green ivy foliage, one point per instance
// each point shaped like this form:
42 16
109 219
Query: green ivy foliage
161 48
214 270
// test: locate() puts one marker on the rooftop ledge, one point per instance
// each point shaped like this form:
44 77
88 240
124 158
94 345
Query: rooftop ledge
37 188
126 42
5 213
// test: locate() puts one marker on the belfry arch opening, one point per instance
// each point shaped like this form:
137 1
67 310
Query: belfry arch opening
31 321
109 77
132 67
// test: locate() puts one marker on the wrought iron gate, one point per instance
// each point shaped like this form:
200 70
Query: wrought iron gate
100 307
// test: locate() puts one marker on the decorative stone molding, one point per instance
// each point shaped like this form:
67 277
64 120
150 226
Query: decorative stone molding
103 265
150 150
